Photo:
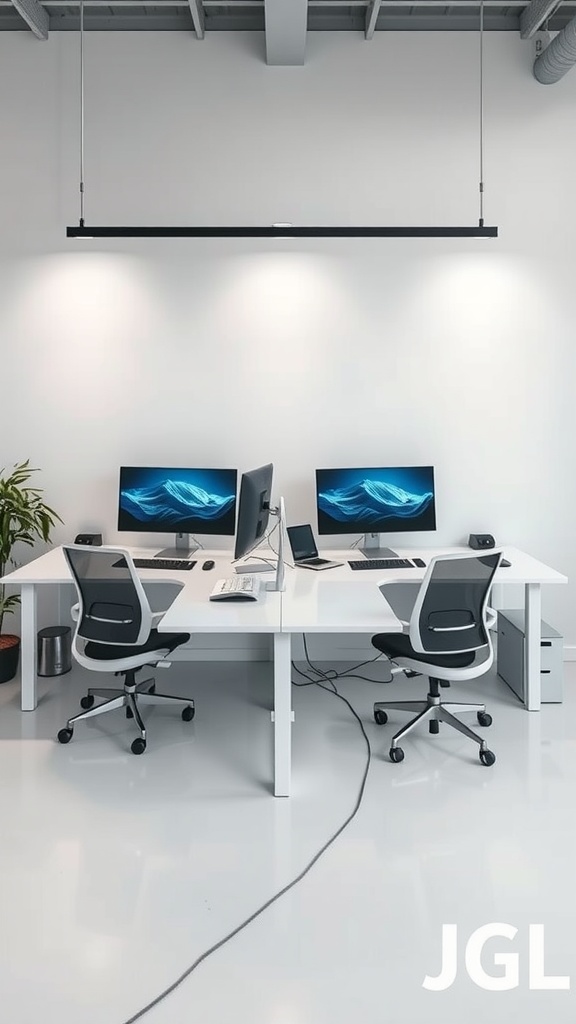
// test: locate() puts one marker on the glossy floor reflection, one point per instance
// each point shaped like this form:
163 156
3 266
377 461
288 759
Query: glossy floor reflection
117 871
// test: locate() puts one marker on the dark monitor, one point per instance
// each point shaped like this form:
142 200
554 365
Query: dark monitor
253 508
397 499
182 501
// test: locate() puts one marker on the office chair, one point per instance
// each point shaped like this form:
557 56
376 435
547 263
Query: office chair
448 639
115 632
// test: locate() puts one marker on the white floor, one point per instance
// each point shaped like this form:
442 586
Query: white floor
117 872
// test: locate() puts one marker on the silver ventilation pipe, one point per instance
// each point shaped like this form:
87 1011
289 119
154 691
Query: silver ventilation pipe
558 57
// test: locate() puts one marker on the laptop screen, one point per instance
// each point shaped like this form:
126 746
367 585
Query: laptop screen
302 542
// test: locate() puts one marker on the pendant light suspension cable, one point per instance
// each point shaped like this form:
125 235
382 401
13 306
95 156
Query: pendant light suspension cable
81 113
481 185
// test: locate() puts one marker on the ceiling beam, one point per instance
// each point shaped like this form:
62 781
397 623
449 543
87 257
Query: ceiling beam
414 4
35 16
372 13
197 12
535 14
286 23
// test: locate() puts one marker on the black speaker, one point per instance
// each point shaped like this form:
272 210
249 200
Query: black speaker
90 539
481 541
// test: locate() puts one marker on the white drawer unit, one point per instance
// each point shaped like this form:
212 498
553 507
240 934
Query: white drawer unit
510 656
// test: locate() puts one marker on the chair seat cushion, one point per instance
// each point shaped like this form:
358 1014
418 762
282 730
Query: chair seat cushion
397 645
155 642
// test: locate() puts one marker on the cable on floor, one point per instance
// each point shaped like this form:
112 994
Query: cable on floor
350 673
218 945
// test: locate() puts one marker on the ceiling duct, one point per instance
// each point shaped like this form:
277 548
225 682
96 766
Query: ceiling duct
558 57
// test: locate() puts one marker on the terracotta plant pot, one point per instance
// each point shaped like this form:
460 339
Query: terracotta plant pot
9 654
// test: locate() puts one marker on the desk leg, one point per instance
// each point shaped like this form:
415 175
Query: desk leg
282 713
28 648
532 652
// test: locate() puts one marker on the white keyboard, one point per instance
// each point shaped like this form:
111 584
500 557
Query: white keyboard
236 588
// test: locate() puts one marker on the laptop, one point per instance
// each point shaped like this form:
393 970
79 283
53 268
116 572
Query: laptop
304 550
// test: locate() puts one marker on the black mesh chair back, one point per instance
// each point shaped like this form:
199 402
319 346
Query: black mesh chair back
449 615
113 607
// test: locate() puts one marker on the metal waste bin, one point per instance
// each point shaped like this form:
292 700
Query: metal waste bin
54 650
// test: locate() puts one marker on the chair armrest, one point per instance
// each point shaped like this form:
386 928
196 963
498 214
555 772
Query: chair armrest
491 617
156 616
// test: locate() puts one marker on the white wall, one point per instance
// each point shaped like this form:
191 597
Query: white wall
454 353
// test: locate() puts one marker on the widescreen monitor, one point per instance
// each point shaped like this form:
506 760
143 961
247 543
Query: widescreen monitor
398 499
180 501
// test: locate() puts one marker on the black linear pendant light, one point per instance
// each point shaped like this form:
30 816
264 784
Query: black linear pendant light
280 230
274 231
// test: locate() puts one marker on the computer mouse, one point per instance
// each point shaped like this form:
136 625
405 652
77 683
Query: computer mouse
209 564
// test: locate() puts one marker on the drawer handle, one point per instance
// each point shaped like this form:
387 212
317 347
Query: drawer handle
545 643
545 672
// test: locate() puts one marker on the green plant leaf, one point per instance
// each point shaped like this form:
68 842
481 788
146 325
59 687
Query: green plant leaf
24 519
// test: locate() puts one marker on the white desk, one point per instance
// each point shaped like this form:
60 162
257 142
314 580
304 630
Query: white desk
335 601
343 601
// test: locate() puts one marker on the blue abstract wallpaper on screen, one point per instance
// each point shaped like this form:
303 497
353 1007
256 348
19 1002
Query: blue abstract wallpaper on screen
393 500
177 500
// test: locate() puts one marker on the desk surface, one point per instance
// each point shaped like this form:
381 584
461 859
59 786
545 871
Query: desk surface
191 608
343 600
52 568
336 600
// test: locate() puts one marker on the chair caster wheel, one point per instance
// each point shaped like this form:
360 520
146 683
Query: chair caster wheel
188 714
87 702
434 727
396 754
380 717
65 735
487 757
138 746
484 718
129 713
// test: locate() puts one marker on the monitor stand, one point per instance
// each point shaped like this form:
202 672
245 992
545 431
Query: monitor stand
251 567
278 583
182 547
371 547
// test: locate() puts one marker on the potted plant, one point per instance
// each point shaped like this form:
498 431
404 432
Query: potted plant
24 518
